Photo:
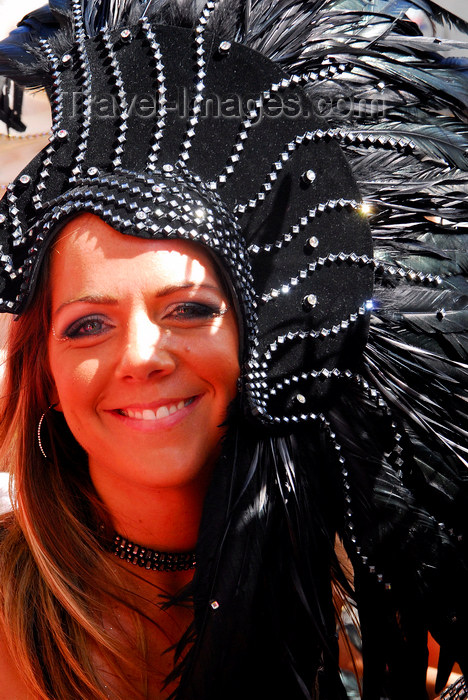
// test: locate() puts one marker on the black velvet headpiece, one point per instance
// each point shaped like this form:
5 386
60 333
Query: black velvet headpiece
168 132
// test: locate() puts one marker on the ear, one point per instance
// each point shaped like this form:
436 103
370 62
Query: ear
54 401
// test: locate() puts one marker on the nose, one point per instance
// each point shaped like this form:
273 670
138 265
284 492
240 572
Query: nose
146 350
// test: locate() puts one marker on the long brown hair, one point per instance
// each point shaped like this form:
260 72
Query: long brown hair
54 575
55 579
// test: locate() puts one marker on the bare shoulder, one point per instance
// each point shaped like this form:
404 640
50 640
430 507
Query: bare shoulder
12 686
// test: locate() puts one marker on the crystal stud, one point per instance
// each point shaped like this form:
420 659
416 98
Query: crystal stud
308 177
309 301
225 47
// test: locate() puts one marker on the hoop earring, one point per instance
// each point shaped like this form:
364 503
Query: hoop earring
39 426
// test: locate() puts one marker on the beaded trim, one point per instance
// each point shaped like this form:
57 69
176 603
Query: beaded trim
457 691
151 559
122 97
197 99
249 121
160 86
85 73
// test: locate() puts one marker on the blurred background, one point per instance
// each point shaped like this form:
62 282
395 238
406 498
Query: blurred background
17 149
458 7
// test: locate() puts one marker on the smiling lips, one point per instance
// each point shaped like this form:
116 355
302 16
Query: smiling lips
148 414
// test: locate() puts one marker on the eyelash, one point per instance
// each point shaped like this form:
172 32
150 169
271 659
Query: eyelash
187 311
194 310
73 331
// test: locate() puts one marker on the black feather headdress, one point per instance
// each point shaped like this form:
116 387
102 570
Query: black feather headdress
356 368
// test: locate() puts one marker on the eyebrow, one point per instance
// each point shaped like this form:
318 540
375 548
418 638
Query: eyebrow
104 300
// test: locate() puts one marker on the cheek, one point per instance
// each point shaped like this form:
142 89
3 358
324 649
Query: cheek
76 382
222 365
230 375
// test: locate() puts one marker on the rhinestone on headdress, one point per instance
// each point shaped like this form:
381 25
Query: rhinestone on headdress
310 301
225 47
308 177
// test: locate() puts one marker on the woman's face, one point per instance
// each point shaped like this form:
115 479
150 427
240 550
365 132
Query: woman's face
143 350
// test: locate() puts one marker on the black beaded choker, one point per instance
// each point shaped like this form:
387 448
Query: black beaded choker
150 558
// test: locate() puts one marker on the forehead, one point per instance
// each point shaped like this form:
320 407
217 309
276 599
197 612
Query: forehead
89 252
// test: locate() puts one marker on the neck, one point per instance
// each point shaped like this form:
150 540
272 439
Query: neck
166 519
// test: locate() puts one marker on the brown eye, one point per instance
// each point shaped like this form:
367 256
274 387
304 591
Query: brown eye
191 311
91 325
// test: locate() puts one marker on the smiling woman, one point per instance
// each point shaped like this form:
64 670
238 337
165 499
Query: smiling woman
229 402
143 353
139 351
143 362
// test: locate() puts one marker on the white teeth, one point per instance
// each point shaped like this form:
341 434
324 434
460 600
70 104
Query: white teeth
162 412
